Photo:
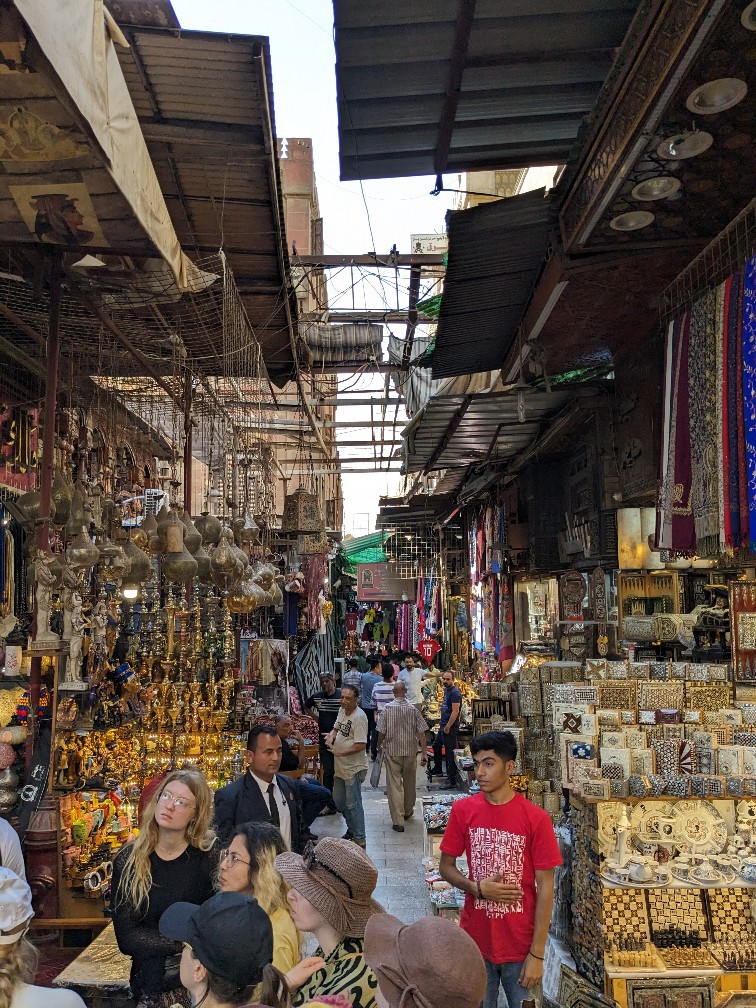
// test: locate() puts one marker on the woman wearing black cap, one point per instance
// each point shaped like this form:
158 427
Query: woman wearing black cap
228 952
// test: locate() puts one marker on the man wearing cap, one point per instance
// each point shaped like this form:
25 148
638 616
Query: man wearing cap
348 742
370 679
262 794
401 729
511 856
325 705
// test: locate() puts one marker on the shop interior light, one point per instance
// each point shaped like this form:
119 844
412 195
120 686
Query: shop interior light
130 592
633 220
685 145
717 95
656 188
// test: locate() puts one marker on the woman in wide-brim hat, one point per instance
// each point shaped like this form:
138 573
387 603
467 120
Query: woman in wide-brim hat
330 896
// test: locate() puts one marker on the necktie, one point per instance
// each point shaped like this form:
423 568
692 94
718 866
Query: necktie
274 816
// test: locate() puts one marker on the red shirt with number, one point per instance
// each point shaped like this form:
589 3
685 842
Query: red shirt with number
428 648
513 840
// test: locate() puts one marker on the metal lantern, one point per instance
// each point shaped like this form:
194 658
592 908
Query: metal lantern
301 512
310 544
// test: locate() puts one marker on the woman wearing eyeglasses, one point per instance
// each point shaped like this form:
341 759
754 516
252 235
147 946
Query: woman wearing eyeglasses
171 861
248 866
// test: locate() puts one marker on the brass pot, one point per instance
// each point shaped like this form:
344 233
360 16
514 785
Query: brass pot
62 494
226 567
9 778
210 528
77 519
204 570
8 798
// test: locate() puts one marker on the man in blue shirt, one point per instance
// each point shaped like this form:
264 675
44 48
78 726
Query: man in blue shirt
447 735
368 680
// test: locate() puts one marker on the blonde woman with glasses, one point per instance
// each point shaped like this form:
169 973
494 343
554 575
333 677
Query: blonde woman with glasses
171 861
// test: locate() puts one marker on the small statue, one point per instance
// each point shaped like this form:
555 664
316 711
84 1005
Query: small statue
79 624
46 579
71 581
98 619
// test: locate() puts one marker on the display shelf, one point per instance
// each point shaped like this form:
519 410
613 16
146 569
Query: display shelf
739 883
669 973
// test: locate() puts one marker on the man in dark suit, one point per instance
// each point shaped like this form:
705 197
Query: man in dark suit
262 794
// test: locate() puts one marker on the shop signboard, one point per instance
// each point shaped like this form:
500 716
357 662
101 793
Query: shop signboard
377 582
429 244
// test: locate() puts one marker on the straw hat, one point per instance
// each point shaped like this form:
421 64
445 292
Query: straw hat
432 963
338 878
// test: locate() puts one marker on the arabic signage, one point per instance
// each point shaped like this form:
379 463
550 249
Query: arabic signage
18 446
429 244
377 582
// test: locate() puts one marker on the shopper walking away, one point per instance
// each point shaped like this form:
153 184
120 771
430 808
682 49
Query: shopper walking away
248 866
370 679
383 692
330 895
262 794
429 963
352 675
411 675
11 855
511 854
227 952
312 796
401 729
348 742
447 734
172 860
325 704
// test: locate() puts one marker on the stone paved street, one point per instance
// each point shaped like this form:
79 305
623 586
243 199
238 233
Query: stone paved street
397 856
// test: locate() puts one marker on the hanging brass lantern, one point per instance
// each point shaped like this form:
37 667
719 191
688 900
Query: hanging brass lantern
246 529
192 537
81 552
77 519
204 570
225 565
209 528
141 569
301 512
307 545
62 494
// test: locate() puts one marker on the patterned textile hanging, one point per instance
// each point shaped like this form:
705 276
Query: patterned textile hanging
675 529
702 402
749 391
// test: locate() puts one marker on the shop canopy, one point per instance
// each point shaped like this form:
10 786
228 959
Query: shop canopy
437 86
76 169
364 549
496 254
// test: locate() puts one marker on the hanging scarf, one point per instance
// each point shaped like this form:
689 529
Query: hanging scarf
666 461
732 507
721 413
676 525
704 434
749 390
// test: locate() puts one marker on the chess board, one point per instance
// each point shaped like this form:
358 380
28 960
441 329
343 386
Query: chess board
624 912
677 908
730 911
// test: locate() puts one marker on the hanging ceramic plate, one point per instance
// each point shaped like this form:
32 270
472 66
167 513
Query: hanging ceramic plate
716 96
633 220
748 17
646 823
656 188
685 145
699 828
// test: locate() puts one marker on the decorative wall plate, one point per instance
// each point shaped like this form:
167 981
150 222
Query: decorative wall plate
645 821
699 828
609 815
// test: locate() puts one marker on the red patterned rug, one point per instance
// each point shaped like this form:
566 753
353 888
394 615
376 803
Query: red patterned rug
52 961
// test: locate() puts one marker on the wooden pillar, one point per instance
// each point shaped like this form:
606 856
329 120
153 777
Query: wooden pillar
48 460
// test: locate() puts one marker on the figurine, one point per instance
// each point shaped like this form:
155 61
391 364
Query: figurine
98 619
79 624
46 579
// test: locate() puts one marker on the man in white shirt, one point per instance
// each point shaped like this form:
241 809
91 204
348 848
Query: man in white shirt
348 742
412 676
262 794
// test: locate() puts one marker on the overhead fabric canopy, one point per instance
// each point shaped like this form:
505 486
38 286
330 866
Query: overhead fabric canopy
437 86
76 40
364 549
496 252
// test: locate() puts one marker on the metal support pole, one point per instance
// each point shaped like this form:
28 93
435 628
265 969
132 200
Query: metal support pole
188 393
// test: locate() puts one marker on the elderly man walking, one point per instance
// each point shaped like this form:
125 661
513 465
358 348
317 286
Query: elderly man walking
401 729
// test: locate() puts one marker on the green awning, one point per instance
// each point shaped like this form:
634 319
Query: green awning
364 549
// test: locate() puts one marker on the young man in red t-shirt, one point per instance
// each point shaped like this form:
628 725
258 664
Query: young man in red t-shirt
511 855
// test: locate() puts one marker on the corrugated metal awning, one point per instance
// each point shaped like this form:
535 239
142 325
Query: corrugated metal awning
437 86
496 252
454 432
